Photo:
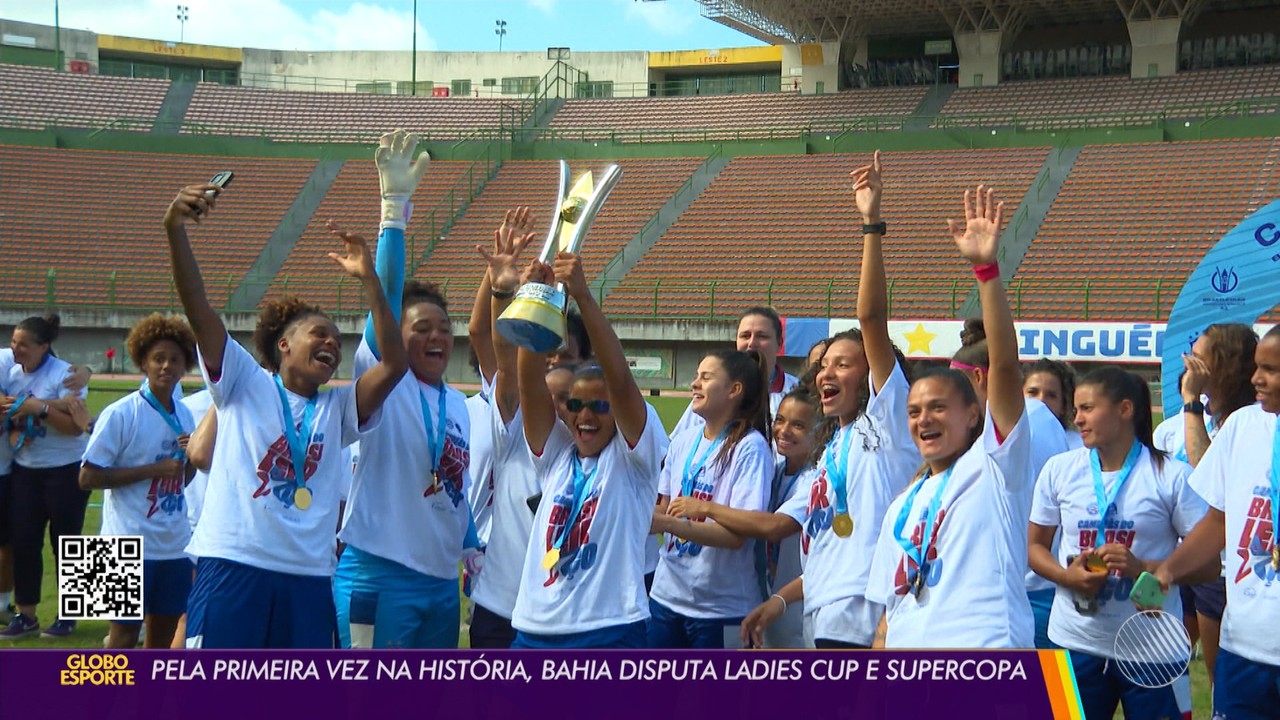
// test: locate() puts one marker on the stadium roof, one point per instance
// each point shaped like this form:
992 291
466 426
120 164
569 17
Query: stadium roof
788 21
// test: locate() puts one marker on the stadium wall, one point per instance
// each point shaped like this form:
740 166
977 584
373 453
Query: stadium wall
28 43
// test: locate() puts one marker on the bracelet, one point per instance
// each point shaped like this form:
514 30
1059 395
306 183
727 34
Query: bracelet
502 294
874 228
784 601
990 271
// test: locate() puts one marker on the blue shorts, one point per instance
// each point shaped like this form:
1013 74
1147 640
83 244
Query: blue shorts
1244 689
620 637
670 629
166 585
1211 598
234 605
1041 604
1102 686
387 605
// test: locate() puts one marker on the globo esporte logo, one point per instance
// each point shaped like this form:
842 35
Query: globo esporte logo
97 669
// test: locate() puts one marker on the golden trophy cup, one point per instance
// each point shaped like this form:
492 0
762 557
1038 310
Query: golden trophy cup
535 318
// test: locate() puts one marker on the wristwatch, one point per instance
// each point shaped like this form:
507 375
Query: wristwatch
1194 407
875 228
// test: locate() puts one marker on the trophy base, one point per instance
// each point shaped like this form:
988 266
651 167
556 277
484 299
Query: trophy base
535 318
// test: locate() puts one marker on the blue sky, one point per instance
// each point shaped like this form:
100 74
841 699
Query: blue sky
387 24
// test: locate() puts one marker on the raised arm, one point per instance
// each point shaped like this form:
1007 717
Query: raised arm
978 239
1194 382
195 202
377 382
629 409
509 240
536 405
200 446
398 177
873 293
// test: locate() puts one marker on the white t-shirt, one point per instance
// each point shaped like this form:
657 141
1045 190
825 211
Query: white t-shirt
1047 439
783 562
6 450
1074 440
479 486
599 579
130 433
514 482
781 384
1233 477
395 510
975 596
249 516
1171 436
1155 508
880 459
47 448
708 582
198 405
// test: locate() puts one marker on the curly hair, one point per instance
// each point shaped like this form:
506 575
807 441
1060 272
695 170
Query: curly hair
276 317
420 291
1231 367
1066 380
156 327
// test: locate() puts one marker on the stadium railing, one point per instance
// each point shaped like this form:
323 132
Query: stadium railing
77 289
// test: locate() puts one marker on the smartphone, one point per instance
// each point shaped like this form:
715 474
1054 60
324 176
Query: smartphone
222 180
1146 592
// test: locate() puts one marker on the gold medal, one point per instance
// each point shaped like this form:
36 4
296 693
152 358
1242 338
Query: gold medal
917 587
842 525
1095 564
302 498
551 558
1275 555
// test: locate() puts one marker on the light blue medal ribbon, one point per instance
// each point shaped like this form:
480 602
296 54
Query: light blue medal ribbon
687 478
1100 493
299 439
13 410
170 419
836 463
582 483
920 554
436 440
1274 478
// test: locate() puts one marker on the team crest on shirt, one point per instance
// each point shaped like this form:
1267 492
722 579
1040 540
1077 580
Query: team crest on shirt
275 470
165 493
453 468
1256 539
820 510
578 552
904 577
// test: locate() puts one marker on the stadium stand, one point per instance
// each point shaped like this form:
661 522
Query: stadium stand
341 117
646 185
83 228
352 201
1135 220
757 114
1109 100
794 216
35 97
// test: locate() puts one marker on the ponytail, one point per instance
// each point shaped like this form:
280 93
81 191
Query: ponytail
752 413
1118 384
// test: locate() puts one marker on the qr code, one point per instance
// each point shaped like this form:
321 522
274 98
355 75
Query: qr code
100 577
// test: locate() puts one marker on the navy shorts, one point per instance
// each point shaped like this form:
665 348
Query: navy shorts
234 605
1211 598
166 585
1244 689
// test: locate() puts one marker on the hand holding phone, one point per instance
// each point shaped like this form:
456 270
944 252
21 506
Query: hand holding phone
222 180
1147 593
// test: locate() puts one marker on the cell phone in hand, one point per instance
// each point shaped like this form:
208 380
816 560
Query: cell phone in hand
222 180
1146 592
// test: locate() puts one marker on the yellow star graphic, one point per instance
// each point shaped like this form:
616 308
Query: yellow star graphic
919 340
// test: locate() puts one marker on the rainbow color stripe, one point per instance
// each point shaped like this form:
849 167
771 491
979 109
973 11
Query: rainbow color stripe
1060 682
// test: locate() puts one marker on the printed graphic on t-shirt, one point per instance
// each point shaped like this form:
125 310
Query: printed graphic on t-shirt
1119 531
905 576
165 493
275 470
578 552
820 511
703 489
453 468
1253 550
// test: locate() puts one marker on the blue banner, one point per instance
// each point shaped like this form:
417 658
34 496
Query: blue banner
1238 281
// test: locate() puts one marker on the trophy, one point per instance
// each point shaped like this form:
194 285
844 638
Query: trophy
535 318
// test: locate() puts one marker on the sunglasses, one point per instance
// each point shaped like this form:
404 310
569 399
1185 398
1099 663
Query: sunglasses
599 407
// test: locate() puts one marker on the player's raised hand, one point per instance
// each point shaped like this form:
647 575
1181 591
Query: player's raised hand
978 237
